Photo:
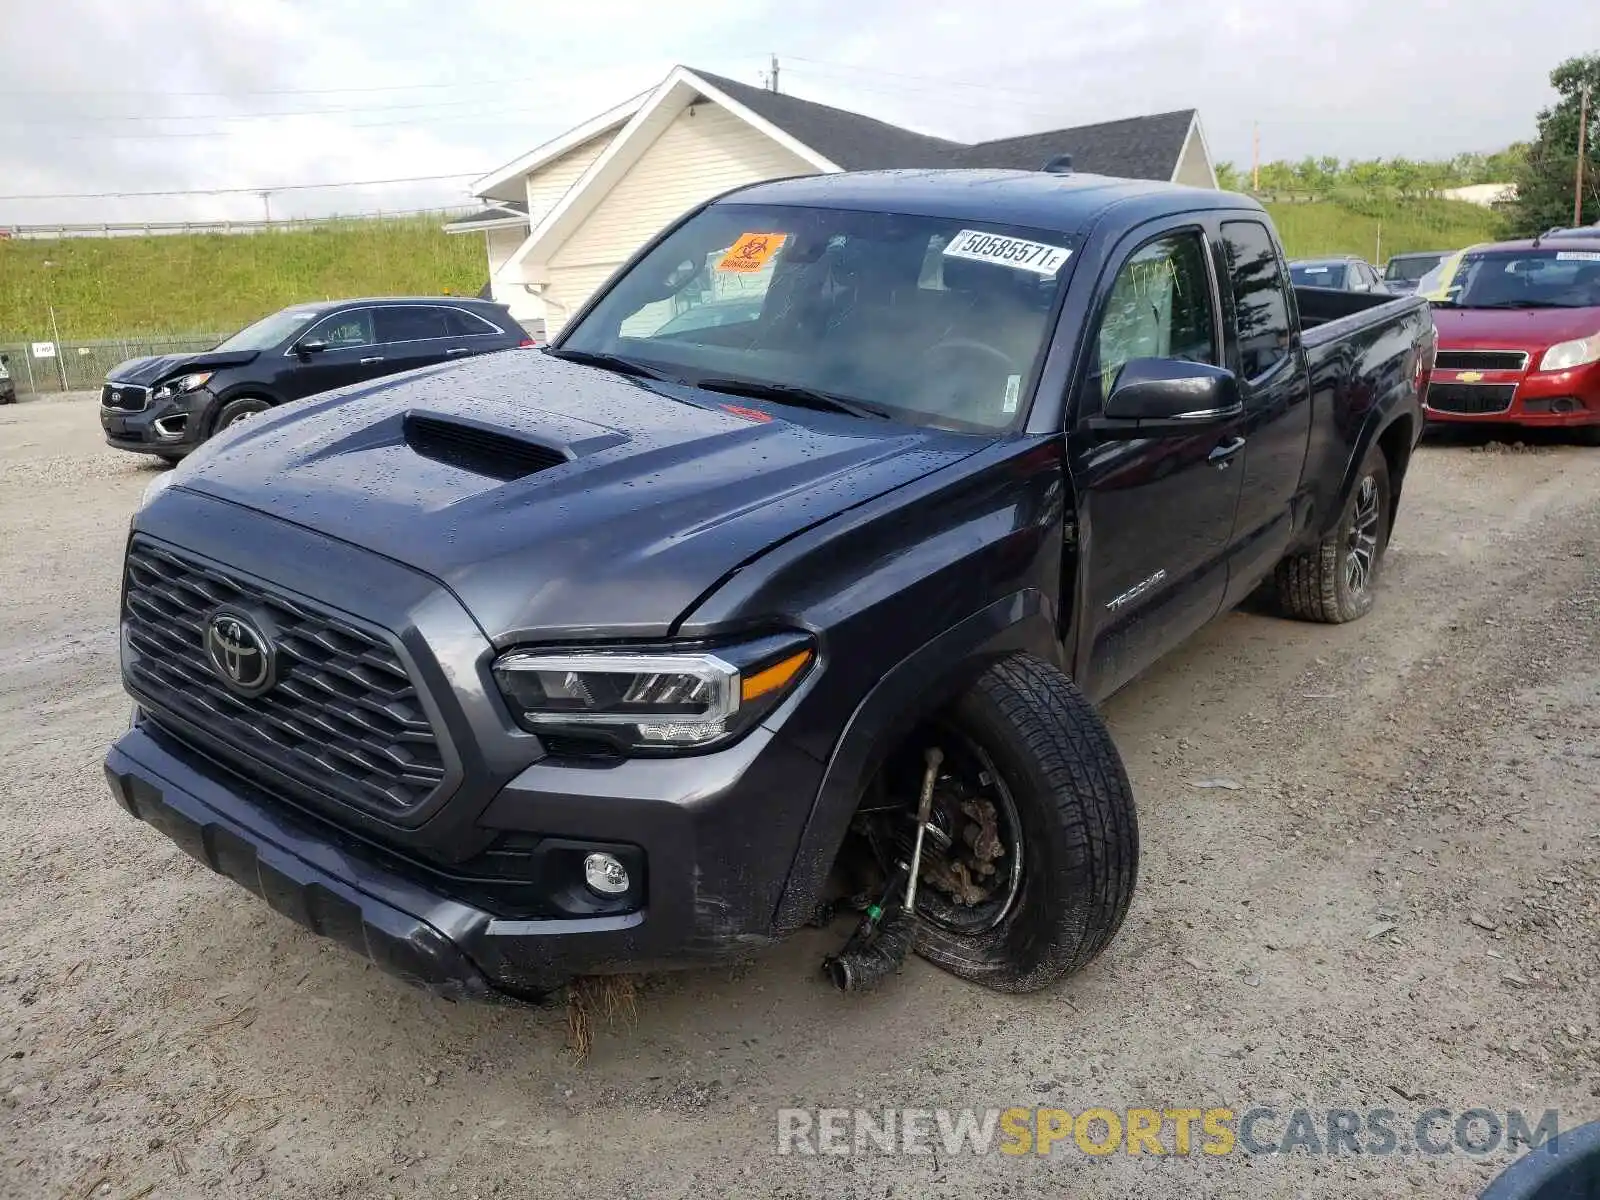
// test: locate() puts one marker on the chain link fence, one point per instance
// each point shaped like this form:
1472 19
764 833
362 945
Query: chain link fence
82 366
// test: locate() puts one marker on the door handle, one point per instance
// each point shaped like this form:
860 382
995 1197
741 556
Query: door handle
1222 454
459 350
373 359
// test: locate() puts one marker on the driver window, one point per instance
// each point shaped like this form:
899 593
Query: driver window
1160 307
343 330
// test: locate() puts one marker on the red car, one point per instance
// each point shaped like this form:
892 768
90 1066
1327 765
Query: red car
1519 337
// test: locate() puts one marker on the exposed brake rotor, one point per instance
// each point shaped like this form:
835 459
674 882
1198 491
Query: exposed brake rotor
962 862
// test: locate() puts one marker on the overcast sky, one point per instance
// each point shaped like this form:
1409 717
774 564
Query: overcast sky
144 95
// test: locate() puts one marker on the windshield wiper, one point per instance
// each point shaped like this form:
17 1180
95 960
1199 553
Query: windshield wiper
791 393
609 362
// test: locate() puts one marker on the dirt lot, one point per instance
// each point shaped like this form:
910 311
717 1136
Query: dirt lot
1314 937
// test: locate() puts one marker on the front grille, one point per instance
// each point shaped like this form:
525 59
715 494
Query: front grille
128 397
1481 360
343 721
1475 398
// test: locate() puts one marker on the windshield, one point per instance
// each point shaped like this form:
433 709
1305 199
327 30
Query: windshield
1412 267
1323 275
269 331
931 320
1545 278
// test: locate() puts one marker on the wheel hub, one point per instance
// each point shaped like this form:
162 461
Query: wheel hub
1361 547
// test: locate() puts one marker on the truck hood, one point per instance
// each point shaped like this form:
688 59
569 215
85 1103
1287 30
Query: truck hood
1531 329
636 499
152 370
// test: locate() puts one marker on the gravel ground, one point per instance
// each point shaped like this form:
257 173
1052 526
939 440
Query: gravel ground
1397 906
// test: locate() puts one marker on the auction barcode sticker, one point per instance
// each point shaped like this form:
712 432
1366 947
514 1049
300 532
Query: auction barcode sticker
1578 256
978 246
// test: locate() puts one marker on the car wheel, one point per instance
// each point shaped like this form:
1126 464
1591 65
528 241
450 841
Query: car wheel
1031 863
1333 581
235 411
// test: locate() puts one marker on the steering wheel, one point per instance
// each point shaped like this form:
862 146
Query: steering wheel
967 379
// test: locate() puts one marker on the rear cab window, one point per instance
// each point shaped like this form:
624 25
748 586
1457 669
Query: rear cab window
1260 298
932 320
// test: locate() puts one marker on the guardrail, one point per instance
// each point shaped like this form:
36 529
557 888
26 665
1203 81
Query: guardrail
159 228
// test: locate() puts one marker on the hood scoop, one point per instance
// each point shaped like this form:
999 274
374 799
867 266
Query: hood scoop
479 450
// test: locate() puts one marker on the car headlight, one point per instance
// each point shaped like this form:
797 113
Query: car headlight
660 700
183 383
1575 353
155 487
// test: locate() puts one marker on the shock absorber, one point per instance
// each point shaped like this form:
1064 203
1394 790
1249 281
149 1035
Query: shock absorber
880 942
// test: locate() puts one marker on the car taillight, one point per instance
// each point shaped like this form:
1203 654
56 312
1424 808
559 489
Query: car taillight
525 343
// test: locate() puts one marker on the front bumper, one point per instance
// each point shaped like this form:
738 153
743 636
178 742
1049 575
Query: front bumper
170 426
387 907
1549 399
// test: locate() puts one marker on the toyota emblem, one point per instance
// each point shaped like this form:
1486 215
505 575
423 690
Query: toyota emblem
240 653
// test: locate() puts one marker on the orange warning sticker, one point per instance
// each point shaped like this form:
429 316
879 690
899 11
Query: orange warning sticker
751 251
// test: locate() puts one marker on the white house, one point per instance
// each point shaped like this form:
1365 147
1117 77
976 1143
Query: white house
560 219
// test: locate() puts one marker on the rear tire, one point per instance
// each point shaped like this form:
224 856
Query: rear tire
1080 830
1333 581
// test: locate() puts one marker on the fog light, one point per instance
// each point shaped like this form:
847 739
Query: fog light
605 875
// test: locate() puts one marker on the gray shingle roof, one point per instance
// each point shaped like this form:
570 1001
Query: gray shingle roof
855 142
1135 148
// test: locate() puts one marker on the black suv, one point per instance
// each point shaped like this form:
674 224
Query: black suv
169 404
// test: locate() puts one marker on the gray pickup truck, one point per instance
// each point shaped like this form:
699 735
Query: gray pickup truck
788 575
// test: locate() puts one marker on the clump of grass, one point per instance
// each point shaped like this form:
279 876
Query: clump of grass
593 999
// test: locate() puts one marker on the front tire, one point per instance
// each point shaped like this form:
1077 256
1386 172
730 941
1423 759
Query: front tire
238 410
1079 830
1333 581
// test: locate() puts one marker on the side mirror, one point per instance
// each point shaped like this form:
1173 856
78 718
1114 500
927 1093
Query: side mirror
1168 397
306 349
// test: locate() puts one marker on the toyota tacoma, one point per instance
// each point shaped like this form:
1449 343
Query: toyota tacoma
789 574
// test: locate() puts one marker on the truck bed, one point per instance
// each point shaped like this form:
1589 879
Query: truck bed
1362 350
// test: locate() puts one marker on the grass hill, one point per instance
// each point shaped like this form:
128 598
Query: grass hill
216 283
1355 224
213 283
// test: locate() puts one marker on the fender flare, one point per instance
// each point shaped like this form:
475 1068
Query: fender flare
919 684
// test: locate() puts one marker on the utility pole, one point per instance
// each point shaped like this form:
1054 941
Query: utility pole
1255 159
774 72
1583 150
266 204
55 330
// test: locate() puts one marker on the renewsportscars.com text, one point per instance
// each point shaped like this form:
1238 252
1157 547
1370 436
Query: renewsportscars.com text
1159 1131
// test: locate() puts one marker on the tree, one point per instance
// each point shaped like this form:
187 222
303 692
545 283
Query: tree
1230 178
1546 174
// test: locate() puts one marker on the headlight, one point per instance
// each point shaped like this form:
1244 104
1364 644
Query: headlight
155 487
1571 354
183 383
652 699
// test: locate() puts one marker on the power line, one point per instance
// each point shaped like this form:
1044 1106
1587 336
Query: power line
459 118
256 189
391 87
299 112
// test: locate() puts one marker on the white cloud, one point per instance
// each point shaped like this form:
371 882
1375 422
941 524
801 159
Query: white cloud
1343 77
